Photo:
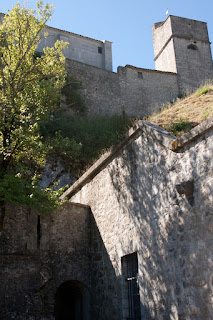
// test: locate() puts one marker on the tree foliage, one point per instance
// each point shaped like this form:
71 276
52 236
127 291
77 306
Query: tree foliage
30 87
78 141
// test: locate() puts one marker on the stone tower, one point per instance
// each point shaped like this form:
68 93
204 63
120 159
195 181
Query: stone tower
182 46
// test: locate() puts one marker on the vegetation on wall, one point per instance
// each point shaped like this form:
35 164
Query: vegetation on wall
42 116
71 98
78 140
30 89
184 114
203 90
41 113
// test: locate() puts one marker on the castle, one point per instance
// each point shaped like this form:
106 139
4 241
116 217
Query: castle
182 57
134 240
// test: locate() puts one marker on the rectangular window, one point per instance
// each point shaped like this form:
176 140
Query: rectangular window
140 75
99 49
131 288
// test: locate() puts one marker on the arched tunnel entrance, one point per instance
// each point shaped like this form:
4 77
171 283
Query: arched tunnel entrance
72 301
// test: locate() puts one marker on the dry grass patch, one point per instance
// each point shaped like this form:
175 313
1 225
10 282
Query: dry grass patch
186 113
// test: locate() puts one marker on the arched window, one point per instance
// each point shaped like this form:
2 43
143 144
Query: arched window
192 46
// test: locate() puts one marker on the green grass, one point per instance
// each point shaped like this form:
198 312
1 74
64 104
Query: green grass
184 114
77 141
203 90
180 126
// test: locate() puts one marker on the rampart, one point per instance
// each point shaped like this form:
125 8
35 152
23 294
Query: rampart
37 255
152 197
182 57
137 91
149 198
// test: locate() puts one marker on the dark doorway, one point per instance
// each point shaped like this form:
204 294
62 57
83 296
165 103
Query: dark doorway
72 301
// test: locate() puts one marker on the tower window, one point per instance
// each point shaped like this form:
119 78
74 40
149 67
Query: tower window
99 49
192 46
140 75
131 288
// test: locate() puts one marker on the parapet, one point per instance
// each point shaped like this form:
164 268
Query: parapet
184 28
188 28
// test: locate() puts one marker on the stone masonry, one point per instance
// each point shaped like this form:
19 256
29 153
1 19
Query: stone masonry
146 204
153 196
37 255
182 46
182 57
183 62
110 93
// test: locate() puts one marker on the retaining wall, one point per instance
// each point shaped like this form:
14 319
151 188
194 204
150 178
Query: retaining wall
150 199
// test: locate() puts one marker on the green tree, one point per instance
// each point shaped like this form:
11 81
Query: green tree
30 87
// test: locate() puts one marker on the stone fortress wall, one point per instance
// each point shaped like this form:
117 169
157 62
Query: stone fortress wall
137 91
149 197
182 57
183 62
37 255
182 46
152 196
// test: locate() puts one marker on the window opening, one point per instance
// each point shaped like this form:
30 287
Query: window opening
140 75
38 231
99 49
130 273
192 46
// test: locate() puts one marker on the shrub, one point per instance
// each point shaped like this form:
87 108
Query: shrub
181 126
203 90
80 140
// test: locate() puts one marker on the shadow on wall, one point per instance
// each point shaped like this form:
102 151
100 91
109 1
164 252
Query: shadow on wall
110 299
74 301
71 267
171 225
106 299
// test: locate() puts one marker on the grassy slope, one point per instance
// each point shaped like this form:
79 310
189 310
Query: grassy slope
186 113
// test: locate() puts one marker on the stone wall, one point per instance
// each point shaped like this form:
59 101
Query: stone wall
37 255
149 199
161 33
145 91
182 45
110 93
139 92
194 66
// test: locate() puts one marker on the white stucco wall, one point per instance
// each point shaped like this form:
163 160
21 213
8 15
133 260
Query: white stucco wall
80 48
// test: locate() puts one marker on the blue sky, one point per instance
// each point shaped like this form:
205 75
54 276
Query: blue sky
127 23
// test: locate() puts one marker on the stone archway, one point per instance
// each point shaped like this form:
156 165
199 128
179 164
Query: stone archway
72 301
